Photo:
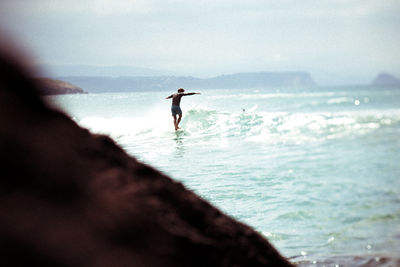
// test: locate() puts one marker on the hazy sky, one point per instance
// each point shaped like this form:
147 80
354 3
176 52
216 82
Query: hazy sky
335 40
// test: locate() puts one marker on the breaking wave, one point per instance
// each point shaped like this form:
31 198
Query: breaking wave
252 126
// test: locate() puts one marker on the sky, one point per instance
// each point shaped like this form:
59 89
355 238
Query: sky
336 41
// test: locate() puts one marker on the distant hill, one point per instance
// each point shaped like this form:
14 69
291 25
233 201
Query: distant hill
100 71
57 87
386 79
153 83
261 80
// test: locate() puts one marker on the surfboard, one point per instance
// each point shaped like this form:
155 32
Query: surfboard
179 132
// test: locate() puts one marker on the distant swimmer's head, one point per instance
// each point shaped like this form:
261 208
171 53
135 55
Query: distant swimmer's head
181 90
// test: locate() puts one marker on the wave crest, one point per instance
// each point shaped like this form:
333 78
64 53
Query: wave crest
252 126
275 127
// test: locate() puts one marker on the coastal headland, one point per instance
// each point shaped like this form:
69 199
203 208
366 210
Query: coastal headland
98 84
56 87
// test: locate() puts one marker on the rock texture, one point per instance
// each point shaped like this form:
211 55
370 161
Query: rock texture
57 87
71 198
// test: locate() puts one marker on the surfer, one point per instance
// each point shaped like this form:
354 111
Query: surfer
175 108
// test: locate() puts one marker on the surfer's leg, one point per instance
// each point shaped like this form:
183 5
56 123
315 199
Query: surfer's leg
179 120
175 123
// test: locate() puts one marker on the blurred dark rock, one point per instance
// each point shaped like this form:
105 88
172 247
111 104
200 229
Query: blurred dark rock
72 198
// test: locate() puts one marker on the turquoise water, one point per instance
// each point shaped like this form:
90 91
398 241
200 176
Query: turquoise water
315 171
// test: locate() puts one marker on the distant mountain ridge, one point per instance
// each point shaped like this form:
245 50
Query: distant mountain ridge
102 71
386 79
153 83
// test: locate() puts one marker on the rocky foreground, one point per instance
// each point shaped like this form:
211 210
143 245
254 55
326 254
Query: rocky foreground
71 198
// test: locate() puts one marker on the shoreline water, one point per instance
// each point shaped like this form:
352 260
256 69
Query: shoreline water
317 171
376 260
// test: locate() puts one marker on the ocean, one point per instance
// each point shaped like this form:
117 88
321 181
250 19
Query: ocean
316 171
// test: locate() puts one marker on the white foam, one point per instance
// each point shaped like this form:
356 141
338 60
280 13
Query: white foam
262 127
340 100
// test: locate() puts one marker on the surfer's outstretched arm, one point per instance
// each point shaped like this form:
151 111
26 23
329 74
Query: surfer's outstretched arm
168 97
191 93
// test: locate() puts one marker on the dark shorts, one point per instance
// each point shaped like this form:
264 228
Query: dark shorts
176 110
